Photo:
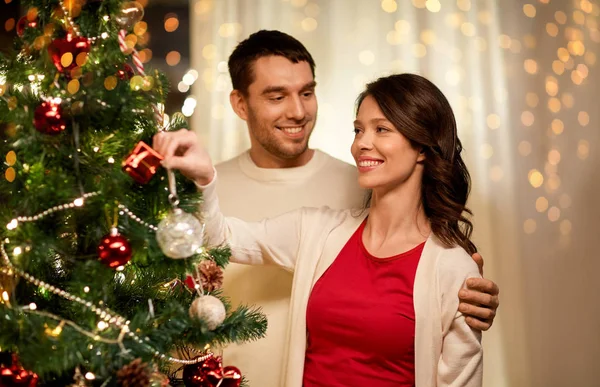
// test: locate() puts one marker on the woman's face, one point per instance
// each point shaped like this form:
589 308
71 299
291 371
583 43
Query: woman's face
384 157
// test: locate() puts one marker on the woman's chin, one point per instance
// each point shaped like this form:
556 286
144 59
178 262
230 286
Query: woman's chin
366 183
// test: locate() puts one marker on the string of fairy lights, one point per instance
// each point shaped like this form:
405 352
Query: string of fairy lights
107 316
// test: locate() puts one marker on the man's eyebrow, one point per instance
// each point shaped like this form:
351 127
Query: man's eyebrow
309 86
274 89
281 89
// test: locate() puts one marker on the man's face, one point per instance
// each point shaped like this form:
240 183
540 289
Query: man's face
281 106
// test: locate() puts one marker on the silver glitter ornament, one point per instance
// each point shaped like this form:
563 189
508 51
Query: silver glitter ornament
180 234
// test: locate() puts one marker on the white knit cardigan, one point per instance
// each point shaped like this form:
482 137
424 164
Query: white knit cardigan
307 241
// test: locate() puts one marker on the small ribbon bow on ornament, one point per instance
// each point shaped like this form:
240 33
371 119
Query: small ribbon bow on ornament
211 373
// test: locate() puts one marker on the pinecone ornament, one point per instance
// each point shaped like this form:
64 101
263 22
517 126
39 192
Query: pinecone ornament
134 374
211 275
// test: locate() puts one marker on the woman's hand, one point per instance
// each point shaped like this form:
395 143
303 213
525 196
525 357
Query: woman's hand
182 151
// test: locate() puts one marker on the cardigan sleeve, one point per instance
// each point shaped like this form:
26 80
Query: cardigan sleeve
461 360
271 241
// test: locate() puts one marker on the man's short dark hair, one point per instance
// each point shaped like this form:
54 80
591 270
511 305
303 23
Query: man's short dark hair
260 44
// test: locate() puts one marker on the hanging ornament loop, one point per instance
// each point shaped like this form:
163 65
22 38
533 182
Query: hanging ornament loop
173 198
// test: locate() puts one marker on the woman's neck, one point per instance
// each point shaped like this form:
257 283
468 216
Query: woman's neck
397 217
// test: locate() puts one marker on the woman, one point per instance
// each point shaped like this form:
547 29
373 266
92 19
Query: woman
374 295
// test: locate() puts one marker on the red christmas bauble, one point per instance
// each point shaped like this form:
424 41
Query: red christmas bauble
125 73
16 375
203 374
114 250
74 45
232 377
48 118
23 23
210 373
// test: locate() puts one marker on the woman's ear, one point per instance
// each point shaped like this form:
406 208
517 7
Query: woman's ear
421 155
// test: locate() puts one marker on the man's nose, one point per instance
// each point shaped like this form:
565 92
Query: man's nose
296 109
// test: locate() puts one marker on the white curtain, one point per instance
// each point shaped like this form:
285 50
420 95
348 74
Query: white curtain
523 81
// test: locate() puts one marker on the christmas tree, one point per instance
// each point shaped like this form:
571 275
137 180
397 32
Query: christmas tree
103 276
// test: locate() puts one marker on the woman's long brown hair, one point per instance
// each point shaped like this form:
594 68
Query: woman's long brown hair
421 112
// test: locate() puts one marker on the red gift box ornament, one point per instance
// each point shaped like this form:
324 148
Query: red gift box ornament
142 163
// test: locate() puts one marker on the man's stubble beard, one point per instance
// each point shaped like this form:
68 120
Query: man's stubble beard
272 144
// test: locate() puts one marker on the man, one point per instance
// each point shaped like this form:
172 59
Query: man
274 92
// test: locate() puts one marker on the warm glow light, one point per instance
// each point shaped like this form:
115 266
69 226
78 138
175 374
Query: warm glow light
554 157
558 67
419 50
209 51
389 5
551 86
565 227
579 17
583 149
530 66
583 118
590 58
541 204
560 17
563 54
9 24
529 226
110 82
554 105
468 29
428 37
576 77
496 173
536 179
557 126
78 202
73 86
309 24
173 58
433 5
11 158
171 24
90 376
12 225
553 214
312 10
493 121
565 201
529 10
504 41
464 5
532 99
552 29
527 118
